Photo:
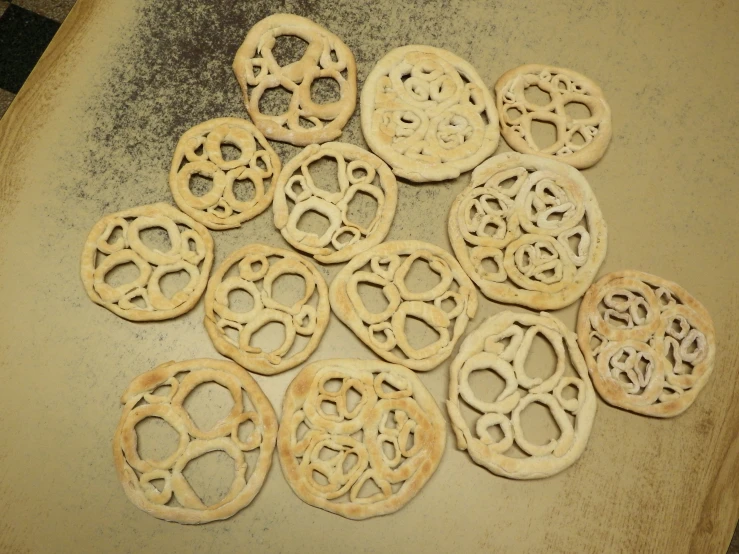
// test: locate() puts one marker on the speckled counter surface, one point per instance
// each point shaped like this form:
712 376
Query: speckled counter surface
93 131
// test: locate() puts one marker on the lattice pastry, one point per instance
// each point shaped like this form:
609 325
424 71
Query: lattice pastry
176 500
298 192
576 108
428 114
307 120
502 345
650 346
199 153
528 231
446 307
253 270
115 241
349 422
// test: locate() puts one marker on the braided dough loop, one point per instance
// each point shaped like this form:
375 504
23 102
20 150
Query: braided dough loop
191 251
136 474
257 71
358 171
512 227
564 86
428 114
329 455
258 268
649 344
388 265
501 345
257 163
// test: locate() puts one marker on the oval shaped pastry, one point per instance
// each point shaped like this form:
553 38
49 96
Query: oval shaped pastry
571 103
359 173
445 307
308 118
501 345
252 270
427 113
528 231
649 345
199 153
144 399
115 241
349 422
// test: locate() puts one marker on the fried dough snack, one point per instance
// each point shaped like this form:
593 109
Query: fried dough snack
428 114
650 346
358 172
191 251
307 121
501 345
141 400
327 455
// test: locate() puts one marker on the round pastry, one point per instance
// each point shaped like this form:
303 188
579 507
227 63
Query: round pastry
501 345
298 192
199 153
347 422
428 114
253 270
143 399
570 102
308 119
115 241
446 307
528 231
649 345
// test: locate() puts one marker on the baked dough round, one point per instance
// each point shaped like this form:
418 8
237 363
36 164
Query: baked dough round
307 119
528 231
191 251
359 172
446 307
255 269
581 139
427 113
199 153
501 345
650 346
142 400
331 444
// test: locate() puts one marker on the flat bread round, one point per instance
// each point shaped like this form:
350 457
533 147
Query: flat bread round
309 118
501 345
427 113
359 438
650 346
115 241
175 500
252 271
528 231
199 154
359 173
445 307
571 103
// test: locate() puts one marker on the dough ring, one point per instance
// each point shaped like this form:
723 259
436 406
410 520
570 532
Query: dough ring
307 120
359 172
650 346
501 345
177 501
115 241
346 422
253 270
199 153
428 114
445 307
528 231
581 139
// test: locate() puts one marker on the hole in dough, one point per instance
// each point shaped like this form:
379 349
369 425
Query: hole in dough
244 190
269 337
535 95
240 301
350 461
489 265
486 384
245 429
207 404
210 476
577 139
122 274
288 289
373 299
329 408
388 450
420 334
229 152
305 123
325 90
156 238
325 173
313 222
577 110
274 101
542 360
538 424
327 453
362 209
421 277
369 488
333 385
157 439
199 186
288 49
246 402
544 133
352 399
173 282
515 452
